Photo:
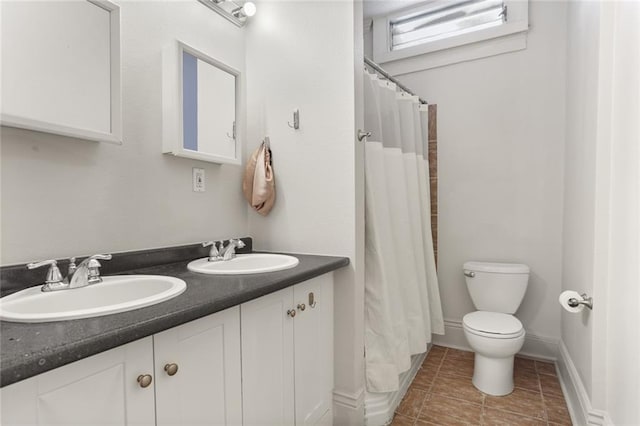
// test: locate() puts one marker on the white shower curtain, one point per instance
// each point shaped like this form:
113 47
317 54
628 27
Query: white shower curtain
402 300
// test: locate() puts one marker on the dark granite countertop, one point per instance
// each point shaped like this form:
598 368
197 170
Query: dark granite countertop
30 349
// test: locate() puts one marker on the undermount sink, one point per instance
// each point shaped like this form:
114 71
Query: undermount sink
252 263
114 294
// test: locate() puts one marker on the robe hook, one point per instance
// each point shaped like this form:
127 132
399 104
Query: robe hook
296 120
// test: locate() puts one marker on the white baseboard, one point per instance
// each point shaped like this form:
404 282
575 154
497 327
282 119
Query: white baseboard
348 408
535 346
380 407
578 402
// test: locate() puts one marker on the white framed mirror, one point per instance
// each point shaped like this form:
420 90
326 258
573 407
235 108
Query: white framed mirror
200 106
61 68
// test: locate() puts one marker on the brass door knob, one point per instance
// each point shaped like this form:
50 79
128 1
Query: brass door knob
302 306
291 313
171 368
144 380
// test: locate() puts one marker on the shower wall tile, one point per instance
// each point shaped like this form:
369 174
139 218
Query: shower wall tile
433 122
433 173
433 154
434 198
433 168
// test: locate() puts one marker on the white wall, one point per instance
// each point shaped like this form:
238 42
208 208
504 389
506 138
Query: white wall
66 197
500 170
300 55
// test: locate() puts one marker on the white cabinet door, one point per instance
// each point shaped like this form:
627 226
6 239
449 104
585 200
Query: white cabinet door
99 390
287 361
267 360
206 388
313 343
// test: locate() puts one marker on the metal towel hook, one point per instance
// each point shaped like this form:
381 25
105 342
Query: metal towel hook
233 132
296 120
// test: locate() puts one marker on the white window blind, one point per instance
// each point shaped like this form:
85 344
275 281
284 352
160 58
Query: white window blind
442 19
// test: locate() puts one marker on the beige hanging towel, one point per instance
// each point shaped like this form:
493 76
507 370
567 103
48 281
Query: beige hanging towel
258 183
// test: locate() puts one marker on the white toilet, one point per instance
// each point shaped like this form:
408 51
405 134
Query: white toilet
492 331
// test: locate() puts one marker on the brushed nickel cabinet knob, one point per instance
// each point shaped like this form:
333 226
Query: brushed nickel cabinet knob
144 380
302 306
171 368
291 313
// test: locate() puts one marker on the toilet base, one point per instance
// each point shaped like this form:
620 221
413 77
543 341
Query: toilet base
493 376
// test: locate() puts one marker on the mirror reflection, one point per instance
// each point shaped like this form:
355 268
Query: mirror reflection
200 97
208 100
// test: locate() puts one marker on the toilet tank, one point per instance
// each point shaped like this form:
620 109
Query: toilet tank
496 287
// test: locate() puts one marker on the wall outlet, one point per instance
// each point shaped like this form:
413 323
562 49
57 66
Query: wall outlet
198 180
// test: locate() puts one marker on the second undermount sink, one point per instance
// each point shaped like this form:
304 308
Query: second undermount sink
252 263
114 294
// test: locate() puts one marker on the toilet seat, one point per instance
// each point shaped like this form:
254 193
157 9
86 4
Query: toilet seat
494 325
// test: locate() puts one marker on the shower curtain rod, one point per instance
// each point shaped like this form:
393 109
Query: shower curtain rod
388 76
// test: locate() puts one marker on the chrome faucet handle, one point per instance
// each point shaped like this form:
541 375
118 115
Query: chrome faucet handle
213 253
95 257
93 272
53 281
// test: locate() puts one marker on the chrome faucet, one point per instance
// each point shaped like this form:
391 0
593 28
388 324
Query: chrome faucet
87 272
229 252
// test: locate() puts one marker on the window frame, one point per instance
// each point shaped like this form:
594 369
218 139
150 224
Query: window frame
517 22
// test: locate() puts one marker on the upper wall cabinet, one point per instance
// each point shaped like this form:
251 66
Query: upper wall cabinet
61 68
200 106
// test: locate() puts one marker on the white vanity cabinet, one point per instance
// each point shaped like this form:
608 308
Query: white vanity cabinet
103 389
287 355
266 362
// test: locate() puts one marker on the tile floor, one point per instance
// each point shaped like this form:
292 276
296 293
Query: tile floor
442 394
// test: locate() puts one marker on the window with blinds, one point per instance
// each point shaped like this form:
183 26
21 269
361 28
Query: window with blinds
441 19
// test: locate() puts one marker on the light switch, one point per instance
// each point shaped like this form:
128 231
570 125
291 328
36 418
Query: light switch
198 180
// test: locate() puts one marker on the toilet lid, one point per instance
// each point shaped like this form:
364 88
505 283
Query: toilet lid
492 323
